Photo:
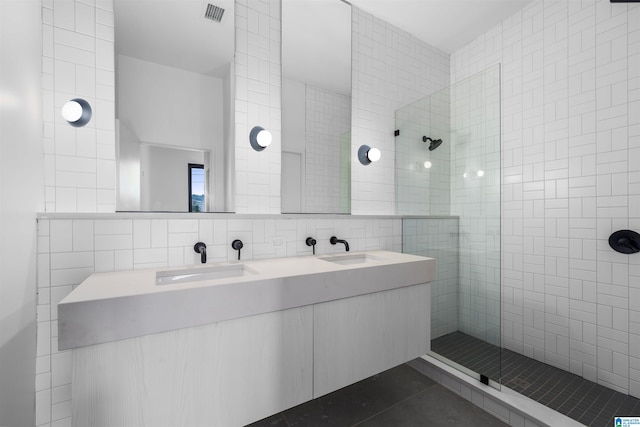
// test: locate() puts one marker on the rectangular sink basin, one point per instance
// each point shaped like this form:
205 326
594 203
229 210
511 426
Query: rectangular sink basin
171 277
349 259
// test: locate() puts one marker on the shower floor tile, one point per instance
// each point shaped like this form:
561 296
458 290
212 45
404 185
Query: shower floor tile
585 401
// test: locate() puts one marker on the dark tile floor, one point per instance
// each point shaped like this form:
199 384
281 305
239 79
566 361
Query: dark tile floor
585 401
399 397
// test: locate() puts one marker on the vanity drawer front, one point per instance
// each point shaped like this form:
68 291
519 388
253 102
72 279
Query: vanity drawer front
357 337
223 374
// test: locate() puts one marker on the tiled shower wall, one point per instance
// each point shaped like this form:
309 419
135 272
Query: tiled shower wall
72 247
328 126
390 69
77 61
571 169
437 238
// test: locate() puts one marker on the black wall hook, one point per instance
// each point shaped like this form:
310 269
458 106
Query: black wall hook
625 241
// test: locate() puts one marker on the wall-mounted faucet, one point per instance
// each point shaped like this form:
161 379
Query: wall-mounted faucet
311 242
201 249
237 245
333 240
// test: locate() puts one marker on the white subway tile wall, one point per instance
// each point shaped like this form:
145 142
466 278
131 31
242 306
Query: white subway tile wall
437 238
257 103
571 133
328 127
77 60
70 249
390 69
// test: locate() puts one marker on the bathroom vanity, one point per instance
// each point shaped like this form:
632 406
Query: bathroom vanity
229 344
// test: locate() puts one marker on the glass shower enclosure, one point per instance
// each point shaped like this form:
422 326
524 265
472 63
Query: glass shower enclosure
448 190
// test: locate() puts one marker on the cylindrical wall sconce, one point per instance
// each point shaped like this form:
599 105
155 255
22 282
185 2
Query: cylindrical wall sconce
259 138
366 154
76 112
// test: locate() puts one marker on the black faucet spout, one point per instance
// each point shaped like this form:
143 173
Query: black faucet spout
201 249
333 240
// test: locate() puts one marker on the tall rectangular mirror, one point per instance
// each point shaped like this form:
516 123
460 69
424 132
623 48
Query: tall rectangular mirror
316 106
174 105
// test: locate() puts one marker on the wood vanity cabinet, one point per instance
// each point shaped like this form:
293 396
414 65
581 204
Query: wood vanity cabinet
235 372
226 374
355 338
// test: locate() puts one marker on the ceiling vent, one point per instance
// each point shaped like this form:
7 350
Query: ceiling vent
214 13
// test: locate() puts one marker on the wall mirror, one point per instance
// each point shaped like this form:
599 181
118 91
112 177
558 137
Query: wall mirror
316 106
174 105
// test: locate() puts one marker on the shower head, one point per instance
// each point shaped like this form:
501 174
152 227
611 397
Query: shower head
433 143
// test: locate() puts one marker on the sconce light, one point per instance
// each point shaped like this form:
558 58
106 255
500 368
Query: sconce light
366 154
427 164
259 138
76 112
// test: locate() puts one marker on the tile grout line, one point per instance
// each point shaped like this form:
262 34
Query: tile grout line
394 405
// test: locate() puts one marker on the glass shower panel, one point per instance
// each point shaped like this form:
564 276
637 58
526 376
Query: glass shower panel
475 137
437 237
423 175
463 183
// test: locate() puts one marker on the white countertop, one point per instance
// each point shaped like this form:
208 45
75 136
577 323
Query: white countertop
111 306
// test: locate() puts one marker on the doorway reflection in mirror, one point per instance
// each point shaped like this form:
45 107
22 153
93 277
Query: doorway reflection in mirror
174 103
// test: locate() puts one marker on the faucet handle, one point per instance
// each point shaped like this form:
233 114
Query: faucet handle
311 242
237 245
201 249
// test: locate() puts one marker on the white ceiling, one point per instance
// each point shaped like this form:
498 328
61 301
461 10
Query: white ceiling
316 33
316 36
445 24
175 33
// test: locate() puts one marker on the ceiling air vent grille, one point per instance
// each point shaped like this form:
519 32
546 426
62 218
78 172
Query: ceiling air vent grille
214 12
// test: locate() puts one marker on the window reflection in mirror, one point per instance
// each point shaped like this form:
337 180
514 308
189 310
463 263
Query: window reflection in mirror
174 103
165 181
197 199
316 106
